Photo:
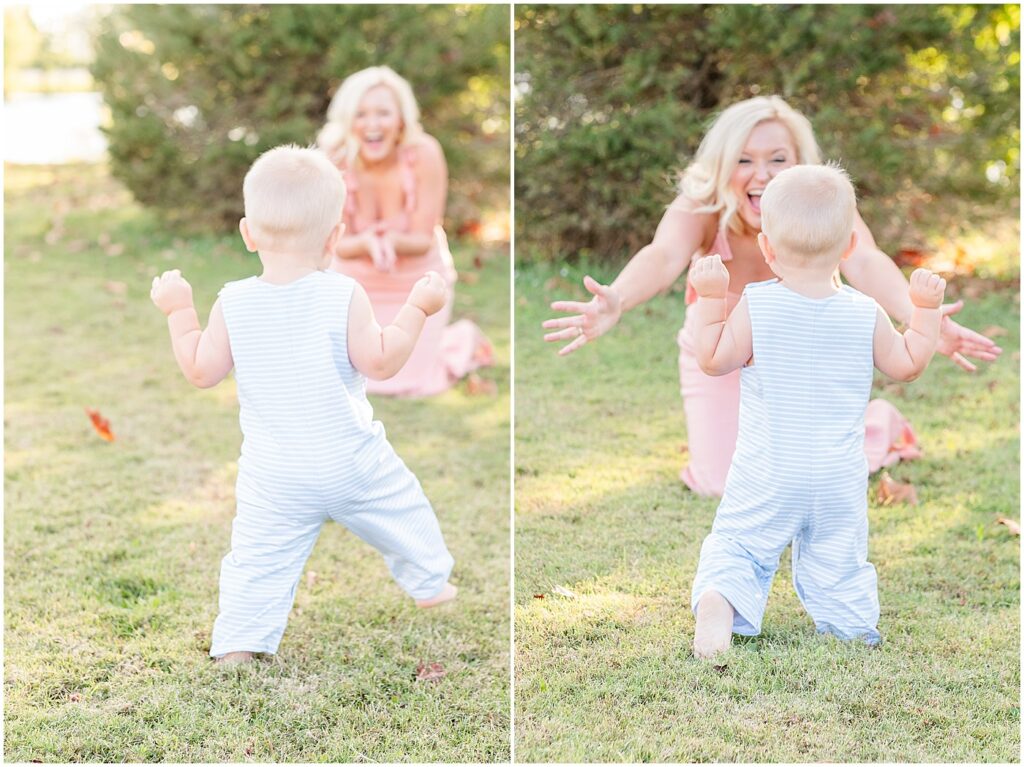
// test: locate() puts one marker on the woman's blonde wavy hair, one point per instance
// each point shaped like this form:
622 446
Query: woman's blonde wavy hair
706 178
336 139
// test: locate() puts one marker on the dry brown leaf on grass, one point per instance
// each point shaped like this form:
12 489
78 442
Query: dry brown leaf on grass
116 288
890 491
311 579
994 331
429 672
538 596
1013 527
100 424
469 278
911 256
477 385
894 389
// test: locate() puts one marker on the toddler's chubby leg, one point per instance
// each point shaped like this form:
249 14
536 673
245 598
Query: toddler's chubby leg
393 515
714 626
730 590
259 577
834 580
447 595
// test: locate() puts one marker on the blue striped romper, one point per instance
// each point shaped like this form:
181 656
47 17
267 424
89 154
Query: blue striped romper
311 451
799 472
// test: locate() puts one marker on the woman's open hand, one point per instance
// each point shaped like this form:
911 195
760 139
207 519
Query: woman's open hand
958 342
589 319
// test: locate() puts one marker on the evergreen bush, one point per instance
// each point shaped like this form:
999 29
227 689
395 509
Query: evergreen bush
197 92
919 103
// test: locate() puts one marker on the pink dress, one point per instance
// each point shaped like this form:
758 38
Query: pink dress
712 410
444 353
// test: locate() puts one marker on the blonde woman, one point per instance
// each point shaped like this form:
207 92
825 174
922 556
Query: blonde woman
718 210
397 183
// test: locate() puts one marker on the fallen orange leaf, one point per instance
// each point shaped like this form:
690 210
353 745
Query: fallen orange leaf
100 424
476 385
1012 526
890 491
430 672
994 331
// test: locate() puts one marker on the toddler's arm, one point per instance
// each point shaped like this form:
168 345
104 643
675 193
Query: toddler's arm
379 353
905 356
203 356
723 340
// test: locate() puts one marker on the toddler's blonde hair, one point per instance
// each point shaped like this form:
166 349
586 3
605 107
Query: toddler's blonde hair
706 179
336 138
807 212
293 198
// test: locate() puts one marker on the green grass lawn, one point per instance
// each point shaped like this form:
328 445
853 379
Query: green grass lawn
605 672
112 550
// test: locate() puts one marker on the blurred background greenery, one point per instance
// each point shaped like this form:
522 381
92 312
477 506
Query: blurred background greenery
919 102
193 94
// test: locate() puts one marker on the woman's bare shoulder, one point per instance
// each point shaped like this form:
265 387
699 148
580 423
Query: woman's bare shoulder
427 149
684 218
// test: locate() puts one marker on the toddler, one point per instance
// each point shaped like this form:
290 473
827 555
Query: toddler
807 347
300 340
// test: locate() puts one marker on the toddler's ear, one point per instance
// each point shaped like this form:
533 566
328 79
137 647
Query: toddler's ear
766 248
851 247
332 241
243 229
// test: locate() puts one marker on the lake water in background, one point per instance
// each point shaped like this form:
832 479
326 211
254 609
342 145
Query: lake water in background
54 128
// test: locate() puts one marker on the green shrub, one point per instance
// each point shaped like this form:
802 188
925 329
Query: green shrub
196 93
915 101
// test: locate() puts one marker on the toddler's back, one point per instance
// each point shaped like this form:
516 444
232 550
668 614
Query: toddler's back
802 400
303 407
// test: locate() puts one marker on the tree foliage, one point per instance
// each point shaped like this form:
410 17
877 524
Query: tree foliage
196 93
919 103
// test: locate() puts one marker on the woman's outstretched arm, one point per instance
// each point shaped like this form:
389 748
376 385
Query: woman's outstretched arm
871 271
680 234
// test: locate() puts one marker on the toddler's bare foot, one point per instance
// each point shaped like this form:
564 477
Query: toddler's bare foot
447 595
714 626
234 658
